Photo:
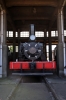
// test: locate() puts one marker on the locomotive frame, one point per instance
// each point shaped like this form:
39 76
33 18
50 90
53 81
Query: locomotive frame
32 60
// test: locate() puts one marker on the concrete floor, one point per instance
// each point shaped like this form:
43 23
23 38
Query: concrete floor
31 91
10 89
30 88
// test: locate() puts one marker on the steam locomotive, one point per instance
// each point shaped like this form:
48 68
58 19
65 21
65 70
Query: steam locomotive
32 60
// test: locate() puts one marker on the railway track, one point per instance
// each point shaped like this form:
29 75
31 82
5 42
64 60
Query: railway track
32 88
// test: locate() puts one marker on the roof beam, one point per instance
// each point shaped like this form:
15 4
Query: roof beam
10 3
2 4
30 18
61 4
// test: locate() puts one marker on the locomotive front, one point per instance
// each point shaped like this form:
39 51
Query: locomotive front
32 60
31 51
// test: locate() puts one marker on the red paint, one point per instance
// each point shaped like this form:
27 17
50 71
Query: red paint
19 65
39 65
50 65
25 65
15 65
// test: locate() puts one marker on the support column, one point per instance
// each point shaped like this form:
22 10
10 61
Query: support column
45 43
18 37
18 42
0 49
8 33
50 47
14 46
3 43
60 42
0 27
